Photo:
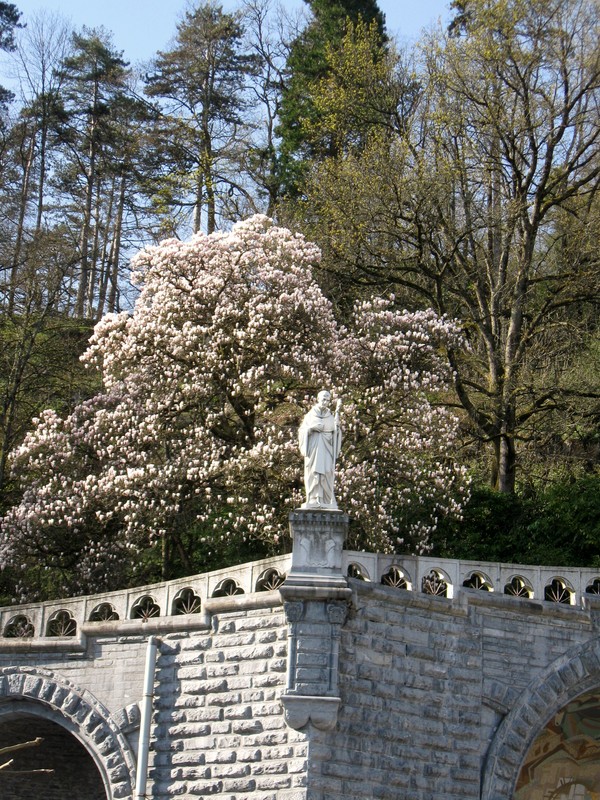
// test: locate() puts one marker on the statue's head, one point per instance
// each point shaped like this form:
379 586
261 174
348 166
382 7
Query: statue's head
324 399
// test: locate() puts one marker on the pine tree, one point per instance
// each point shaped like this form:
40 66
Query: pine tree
200 84
307 64
9 21
95 83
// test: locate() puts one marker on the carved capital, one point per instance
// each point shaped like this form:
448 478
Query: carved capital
293 611
336 613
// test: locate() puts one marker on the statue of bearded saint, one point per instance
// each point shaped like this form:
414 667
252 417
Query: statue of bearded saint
320 439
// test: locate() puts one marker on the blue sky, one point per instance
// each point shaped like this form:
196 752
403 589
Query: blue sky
141 27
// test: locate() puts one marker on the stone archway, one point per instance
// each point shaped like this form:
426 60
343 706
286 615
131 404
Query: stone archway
564 760
570 676
30 693
58 768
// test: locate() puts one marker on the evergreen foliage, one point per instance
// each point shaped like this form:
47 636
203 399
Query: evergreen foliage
9 21
558 525
200 84
308 64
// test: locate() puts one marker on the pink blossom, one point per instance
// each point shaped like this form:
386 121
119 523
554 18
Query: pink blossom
204 386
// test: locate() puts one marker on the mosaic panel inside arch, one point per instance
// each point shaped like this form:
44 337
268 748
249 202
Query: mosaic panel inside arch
563 763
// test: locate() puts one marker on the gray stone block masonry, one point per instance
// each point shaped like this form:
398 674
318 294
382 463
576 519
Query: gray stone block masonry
361 676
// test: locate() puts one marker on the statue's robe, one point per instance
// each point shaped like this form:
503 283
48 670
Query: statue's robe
320 450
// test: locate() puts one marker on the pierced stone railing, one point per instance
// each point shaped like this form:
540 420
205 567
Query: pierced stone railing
186 602
571 586
181 603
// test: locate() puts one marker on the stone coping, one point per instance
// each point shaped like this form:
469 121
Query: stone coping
64 624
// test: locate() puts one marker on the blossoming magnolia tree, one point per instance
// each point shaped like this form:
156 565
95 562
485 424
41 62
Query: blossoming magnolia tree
196 426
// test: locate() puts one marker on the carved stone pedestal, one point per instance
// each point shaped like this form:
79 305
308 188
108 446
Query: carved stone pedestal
316 597
319 538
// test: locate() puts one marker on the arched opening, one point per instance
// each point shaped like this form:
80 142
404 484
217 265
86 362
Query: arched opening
58 768
564 760
36 694
566 693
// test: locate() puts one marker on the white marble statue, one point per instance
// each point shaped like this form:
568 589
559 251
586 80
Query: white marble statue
320 439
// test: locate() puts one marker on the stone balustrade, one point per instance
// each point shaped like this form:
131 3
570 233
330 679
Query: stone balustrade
175 603
447 577
143 608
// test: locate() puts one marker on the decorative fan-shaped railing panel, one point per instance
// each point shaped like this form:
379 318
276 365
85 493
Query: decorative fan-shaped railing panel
186 602
145 608
396 578
358 572
269 580
557 591
227 588
517 586
435 583
104 612
61 623
19 627
477 580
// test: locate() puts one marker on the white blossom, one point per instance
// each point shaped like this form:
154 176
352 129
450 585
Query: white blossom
204 386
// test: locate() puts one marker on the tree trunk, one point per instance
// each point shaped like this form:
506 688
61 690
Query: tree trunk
504 467
207 169
198 202
116 249
106 256
23 202
87 212
211 222
84 246
42 175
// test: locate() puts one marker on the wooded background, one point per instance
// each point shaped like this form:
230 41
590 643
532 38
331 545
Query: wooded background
458 175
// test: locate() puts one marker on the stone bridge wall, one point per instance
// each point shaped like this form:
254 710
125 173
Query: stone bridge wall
425 683
324 687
